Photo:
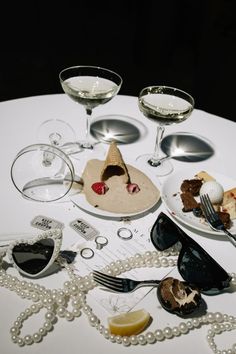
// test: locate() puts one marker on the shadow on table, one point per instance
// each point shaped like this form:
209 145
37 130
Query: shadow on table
120 128
187 147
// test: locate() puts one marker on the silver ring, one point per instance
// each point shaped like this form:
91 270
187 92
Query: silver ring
87 253
124 233
101 241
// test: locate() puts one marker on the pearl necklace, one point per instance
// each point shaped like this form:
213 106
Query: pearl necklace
56 303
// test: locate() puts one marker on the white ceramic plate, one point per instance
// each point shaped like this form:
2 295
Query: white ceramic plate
170 194
80 199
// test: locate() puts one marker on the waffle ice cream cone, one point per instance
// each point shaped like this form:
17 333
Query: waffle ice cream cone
114 165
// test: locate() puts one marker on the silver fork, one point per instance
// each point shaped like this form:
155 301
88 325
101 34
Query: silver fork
121 285
213 218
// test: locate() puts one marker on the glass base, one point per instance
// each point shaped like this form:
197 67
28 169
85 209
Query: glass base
79 150
162 169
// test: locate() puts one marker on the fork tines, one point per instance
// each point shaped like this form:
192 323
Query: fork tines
208 208
108 281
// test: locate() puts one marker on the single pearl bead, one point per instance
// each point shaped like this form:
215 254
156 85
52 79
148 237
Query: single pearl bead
47 326
112 338
116 270
28 339
20 342
189 324
34 308
218 317
210 317
69 316
35 297
18 324
93 320
196 322
23 316
101 328
183 328
118 339
216 328
209 338
149 263
133 340
164 262
82 287
37 337
14 330
14 338
142 339
125 341
171 262
137 256
61 311
176 331
74 289
168 332
150 337
76 312
28 312
228 327
106 333
50 316
127 266
88 284
60 300
42 331
156 263
230 351
159 334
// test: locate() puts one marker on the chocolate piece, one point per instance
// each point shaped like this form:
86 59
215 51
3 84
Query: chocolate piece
178 297
191 185
225 218
188 201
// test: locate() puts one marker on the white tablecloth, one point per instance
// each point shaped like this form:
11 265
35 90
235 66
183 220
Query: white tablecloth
19 122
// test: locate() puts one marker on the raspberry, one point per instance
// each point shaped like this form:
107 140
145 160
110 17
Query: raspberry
99 187
132 188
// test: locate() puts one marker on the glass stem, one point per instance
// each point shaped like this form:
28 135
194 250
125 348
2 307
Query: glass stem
154 160
86 144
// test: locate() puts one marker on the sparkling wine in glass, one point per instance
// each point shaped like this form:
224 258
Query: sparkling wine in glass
165 106
89 86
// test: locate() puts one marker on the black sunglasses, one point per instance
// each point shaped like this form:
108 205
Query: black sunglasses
195 265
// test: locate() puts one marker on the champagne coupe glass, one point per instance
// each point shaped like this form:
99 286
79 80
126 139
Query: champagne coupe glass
89 86
58 133
163 105
43 173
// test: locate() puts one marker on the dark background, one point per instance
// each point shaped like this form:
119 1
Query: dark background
186 44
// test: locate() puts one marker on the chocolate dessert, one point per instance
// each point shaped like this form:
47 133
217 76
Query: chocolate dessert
188 201
191 185
225 218
192 188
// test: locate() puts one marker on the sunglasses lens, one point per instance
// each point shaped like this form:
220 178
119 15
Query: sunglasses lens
164 233
33 258
197 267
